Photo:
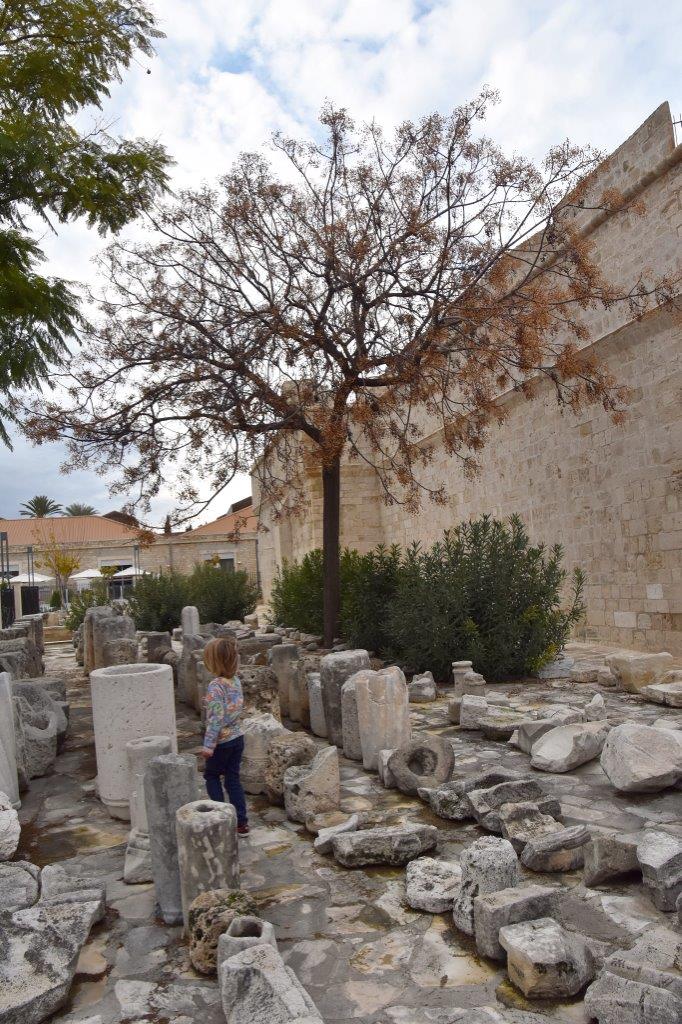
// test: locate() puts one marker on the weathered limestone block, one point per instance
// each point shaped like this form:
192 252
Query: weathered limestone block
42 704
208 853
318 725
451 800
595 709
20 657
488 865
350 726
121 651
530 732
59 886
523 822
385 773
640 759
137 866
496 910
285 750
170 782
609 856
242 933
568 746
563 850
105 631
20 746
486 802
335 669
299 700
259 686
210 915
660 857
472 709
10 829
425 762
395 844
500 724
383 712
324 839
128 702
258 732
422 689
158 646
19 885
545 961
257 988
313 788
283 660
669 694
635 670
40 738
432 885
189 621
9 776
192 645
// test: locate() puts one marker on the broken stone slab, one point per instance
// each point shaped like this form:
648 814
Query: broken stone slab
485 803
19 885
500 725
608 856
660 857
422 689
208 854
257 988
325 837
335 669
495 910
641 985
385 773
285 750
283 660
243 932
488 865
545 961
314 788
383 712
425 762
569 746
59 886
669 694
9 772
258 732
472 709
523 822
635 670
350 725
318 724
137 866
556 851
560 668
530 732
640 759
450 800
395 845
210 914
595 709
10 829
432 885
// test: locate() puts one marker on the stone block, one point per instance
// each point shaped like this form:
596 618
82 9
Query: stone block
568 746
137 866
243 932
210 914
313 788
432 885
488 865
394 845
422 689
318 725
523 822
10 829
258 732
496 910
285 749
257 988
635 670
561 850
208 853
283 660
335 669
383 712
9 775
350 726
640 759
545 961
608 856
471 710
660 857
426 761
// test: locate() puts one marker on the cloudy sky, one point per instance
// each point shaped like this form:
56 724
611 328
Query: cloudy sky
230 72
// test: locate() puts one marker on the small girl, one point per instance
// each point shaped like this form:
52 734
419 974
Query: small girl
224 740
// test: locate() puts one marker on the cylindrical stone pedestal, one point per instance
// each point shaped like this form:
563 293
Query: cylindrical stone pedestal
128 702
170 782
460 669
207 849
138 863
9 779
258 732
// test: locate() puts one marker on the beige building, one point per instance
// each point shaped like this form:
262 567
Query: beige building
612 495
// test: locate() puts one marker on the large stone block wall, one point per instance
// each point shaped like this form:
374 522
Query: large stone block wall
611 494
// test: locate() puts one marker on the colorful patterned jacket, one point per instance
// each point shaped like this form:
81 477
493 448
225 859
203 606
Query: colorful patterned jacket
224 704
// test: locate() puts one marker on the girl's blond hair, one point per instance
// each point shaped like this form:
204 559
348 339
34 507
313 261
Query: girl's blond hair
221 656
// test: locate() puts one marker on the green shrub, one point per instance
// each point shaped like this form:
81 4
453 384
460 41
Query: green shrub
55 601
221 594
482 593
156 602
96 594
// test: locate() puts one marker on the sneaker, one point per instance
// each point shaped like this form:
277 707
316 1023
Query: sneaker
243 830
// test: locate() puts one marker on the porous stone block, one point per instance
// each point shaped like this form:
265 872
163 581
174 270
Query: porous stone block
335 669
283 660
488 865
257 988
121 651
426 761
561 850
545 961
243 932
523 822
660 857
208 854
595 709
395 845
350 726
19 885
432 885
170 782
313 788
640 759
496 910
210 914
128 702
285 749
258 732
383 712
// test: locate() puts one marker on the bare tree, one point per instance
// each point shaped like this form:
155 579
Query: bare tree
335 305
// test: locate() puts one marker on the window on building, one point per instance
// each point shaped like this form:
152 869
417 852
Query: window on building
224 561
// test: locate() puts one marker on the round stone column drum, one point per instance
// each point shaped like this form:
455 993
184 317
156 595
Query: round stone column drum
207 849
128 702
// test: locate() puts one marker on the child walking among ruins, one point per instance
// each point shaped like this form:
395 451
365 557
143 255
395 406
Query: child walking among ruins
224 740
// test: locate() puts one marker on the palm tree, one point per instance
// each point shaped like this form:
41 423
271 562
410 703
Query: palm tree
39 507
78 509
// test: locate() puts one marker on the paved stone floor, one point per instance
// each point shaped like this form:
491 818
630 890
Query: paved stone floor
359 950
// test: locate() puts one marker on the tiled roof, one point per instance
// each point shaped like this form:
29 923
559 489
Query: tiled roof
65 530
242 521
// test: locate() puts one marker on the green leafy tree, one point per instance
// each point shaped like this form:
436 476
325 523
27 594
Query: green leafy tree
76 508
40 507
56 58
220 594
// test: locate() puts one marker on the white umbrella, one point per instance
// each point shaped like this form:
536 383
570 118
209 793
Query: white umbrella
87 574
27 580
129 573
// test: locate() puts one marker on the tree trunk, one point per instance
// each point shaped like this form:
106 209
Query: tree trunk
331 506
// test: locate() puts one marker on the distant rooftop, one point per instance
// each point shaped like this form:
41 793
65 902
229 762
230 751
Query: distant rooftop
65 530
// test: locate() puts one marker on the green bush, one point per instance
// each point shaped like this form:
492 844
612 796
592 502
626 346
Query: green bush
96 594
156 602
221 594
482 593
55 601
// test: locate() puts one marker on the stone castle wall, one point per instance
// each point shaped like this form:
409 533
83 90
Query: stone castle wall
612 495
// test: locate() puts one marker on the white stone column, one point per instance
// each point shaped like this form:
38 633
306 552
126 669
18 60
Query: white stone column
189 620
383 712
9 779
128 702
258 731
208 853
283 660
138 863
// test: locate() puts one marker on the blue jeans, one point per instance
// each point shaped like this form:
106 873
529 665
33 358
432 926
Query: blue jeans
225 761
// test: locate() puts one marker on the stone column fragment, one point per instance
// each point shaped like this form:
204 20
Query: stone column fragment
9 777
258 731
189 620
283 660
170 782
138 863
383 712
318 724
335 669
208 853
128 702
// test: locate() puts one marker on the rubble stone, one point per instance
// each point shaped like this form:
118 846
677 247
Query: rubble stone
669 694
395 845
285 750
422 689
568 746
335 669
545 961
635 670
640 759
524 822
324 839
561 850
660 857
431 885
426 761
313 788
495 910
209 916
488 865
9 774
